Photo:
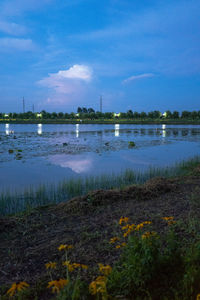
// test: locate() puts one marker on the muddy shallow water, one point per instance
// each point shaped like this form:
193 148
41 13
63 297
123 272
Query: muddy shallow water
35 154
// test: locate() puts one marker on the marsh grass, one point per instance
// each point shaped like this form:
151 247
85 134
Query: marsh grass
47 194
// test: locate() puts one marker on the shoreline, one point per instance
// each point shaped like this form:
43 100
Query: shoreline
103 122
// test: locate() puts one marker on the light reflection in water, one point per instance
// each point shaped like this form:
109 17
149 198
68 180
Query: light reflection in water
7 129
117 126
77 130
39 129
164 130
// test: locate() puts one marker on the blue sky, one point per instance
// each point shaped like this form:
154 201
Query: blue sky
139 54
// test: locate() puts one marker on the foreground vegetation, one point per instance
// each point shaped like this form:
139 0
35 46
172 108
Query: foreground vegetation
12 203
140 242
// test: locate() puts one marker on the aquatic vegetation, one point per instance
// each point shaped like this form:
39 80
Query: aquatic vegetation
11 203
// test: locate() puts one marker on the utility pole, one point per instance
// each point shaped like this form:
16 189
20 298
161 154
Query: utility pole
23 105
101 104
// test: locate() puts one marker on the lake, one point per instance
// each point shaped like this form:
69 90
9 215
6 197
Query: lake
35 154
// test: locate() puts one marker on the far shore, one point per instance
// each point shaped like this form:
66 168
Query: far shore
102 121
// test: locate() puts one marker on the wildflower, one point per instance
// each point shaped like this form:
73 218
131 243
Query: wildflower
148 234
147 222
123 220
17 287
118 246
105 270
123 244
68 265
113 240
168 218
57 285
84 267
171 222
127 233
50 265
198 297
64 247
98 286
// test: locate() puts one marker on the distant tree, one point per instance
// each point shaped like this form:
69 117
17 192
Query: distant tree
143 115
123 115
91 110
130 114
84 110
168 114
108 115
54 115
60 115
194 114
66 116
175 115
79 110
186 114
136 115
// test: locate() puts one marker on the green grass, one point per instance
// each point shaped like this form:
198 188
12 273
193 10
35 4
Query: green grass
12 203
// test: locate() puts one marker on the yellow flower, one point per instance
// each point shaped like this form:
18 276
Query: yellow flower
139 226
171 222
84 267
105 270
50 265
64 247
148 234
168 218
17 287
123 220
118 246
98 286
113 240
198 297
57 285
123 244
68 265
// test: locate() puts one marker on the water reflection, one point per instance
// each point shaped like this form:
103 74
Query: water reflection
77 130
7 129
163 130
117 126
78 164
39 129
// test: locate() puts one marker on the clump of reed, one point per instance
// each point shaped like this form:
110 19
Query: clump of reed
47 194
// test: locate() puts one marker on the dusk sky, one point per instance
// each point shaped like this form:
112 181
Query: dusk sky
138 54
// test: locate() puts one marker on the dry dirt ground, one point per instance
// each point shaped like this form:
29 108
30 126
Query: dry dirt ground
30 240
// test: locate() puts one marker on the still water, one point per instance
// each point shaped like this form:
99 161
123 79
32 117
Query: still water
35 154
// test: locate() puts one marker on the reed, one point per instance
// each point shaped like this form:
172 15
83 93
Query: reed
47 194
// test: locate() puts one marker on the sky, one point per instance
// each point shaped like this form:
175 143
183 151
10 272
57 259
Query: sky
138 54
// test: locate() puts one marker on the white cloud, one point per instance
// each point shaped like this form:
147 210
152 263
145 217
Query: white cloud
68 81
141 76
12 28
16 44
76 72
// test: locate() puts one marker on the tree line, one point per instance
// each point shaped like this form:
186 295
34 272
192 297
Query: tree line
90 113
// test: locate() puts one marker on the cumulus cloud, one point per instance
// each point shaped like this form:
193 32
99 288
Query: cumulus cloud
16 44
135 77
68 81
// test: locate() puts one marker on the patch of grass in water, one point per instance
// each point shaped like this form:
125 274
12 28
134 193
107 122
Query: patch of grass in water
67 189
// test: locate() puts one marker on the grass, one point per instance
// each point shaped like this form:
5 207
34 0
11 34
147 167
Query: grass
67 189
101 121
